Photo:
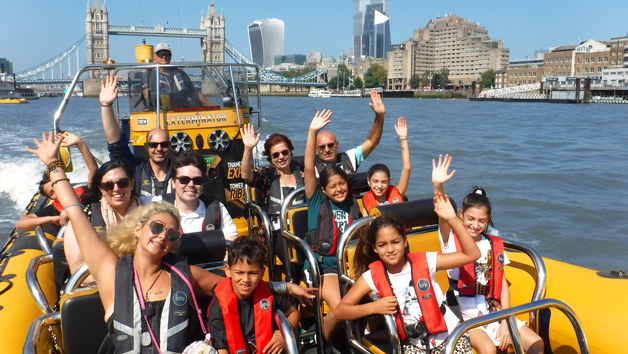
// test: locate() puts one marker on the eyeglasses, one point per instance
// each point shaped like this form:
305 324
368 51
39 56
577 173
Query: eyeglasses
184 180
156 227
109 185
163 144
163 54
275 155
329 146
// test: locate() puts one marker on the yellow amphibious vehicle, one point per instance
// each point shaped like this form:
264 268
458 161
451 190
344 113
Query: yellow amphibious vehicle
575 310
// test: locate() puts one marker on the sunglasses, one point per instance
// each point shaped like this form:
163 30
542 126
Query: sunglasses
109 185
329 146
156 227
163 54
184 180
275 155
163 144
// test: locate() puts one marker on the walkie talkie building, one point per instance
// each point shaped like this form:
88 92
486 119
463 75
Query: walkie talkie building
266 41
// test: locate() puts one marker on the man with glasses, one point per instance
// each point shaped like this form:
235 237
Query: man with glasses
198 212
152 176
173 82
327 145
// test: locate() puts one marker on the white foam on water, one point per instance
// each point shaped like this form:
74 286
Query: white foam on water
20 176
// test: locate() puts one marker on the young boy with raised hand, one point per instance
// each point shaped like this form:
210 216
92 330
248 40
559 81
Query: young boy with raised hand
241 314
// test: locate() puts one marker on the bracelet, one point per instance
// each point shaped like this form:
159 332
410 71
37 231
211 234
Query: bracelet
280 287
402 139
75 204
106 105
59 180
52 166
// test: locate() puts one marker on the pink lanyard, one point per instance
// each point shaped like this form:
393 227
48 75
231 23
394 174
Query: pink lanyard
140 295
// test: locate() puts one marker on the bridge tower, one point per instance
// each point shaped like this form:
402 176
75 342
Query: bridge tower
96 26
213 45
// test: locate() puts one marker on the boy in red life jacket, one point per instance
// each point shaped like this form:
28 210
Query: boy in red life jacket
241 314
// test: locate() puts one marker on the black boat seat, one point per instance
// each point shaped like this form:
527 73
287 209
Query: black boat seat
203 247
415 213
60 265
82 322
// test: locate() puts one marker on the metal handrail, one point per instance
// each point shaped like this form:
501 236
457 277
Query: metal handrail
541 274
286 331
311 258
509 314
61 232
251 206
34 331
128 66
42 240
76 279
235 98
33 283
393 335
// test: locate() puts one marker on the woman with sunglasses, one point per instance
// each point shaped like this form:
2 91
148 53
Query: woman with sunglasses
140 280
109 199
274 182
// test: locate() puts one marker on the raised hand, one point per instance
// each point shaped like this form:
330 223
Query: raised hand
443 207
109 90
376 103
385 306
68 139
320 120
249 139
401 128
439 171
48 149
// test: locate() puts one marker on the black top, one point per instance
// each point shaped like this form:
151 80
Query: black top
247 314
50 210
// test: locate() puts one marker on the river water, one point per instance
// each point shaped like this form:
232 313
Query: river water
555 174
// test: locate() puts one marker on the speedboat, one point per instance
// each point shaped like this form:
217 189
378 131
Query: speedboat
573 309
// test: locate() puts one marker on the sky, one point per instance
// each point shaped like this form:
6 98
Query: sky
33 31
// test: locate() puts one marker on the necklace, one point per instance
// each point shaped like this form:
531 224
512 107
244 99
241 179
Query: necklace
153 284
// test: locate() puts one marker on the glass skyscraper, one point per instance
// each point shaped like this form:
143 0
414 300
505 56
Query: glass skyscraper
369 39
266 41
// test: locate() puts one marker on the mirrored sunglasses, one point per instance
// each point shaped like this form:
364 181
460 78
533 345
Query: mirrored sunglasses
184 180
109 185
156 227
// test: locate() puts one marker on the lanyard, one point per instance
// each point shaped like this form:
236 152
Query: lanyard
138 289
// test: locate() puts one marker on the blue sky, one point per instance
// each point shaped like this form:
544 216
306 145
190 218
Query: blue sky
34 31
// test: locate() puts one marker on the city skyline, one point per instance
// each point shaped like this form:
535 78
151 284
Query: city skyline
39 32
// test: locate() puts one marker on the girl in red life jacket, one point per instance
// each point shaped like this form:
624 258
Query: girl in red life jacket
406 282
481 286
382 193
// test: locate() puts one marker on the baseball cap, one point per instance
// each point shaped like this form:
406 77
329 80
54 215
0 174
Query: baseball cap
162 46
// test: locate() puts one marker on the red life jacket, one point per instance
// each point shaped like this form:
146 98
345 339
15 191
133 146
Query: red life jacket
432 315
80 192
392 196
466 279
262 304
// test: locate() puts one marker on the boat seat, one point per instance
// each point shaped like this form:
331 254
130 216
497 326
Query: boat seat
60 265
82 322
415 213
203 247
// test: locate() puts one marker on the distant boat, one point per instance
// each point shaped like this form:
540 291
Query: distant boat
319 93
9 91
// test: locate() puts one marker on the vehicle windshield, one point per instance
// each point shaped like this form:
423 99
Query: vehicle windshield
184 88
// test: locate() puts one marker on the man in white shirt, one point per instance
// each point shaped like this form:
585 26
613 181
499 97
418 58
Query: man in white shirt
198 213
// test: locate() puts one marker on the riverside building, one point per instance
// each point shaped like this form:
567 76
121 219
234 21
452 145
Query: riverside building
452 42
370 39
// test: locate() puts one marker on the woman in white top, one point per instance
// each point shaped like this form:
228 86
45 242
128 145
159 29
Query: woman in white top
482 286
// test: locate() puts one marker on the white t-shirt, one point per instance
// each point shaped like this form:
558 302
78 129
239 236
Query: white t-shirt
408 302
193 222
471 305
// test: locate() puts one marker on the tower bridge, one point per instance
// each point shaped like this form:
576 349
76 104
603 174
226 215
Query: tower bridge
211 34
